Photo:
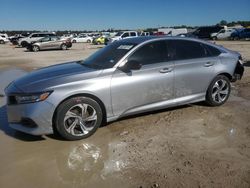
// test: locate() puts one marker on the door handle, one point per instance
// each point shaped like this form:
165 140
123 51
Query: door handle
166 70
208 64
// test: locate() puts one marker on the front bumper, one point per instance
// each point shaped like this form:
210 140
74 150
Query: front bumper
31 118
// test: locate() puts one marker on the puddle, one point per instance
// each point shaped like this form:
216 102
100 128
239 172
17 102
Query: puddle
9 75
84 157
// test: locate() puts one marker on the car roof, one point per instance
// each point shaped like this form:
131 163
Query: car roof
142 39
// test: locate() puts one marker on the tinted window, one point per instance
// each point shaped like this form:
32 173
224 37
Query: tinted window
125 35
46 39
35 35
188 50
133 34
212 50
154 52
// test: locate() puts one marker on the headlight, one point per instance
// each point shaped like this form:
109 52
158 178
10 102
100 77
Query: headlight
31 98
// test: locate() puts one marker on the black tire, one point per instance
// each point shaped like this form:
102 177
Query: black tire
88 41
214 38
66 107
236 38
35 48
98 43
24 44
2 42
215 95
63 47
73 41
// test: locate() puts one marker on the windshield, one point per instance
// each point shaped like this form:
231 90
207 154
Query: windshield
108 56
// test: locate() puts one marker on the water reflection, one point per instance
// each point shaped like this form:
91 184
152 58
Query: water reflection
84 157
90 162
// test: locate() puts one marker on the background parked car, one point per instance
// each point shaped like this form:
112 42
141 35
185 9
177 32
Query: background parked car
222 34
33 37
82 38
100 40
14 39
3 39
241 34
48 43
124 34
205 32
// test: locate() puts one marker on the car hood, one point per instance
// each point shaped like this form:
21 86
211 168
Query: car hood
54 76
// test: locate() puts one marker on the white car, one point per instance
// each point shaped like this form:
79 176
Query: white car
222 34
3 38
33 37
82 38
124 34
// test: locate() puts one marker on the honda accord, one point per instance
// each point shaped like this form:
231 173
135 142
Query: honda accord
126 77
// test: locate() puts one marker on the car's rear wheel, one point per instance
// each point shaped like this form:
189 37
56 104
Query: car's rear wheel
73 41
35 48
63 47
218 91
2 42
78 118
214 38
88 41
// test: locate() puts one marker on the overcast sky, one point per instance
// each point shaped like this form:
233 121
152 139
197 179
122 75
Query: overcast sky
123 14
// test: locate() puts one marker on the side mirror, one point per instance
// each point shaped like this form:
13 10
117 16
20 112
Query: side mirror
131 65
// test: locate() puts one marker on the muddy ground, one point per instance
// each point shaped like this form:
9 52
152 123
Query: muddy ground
189 146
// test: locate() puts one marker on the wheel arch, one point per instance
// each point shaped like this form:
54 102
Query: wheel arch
229 76
104 111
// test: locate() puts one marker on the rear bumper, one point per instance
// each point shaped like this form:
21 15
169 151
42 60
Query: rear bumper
238 72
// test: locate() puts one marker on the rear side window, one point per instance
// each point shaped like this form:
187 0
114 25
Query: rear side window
188 50
212 50
133 34
154 52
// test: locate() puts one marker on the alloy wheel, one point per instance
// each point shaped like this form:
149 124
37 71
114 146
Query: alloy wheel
220 91
80 119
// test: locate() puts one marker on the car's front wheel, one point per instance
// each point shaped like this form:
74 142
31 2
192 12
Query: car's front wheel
2 42
78 118
218 91
35 48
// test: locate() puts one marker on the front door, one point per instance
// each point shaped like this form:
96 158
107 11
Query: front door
152 83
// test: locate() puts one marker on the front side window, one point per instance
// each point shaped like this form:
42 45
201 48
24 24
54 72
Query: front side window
46 39
154 52
125 35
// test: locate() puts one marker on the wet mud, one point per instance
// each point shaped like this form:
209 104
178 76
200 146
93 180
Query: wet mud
188 146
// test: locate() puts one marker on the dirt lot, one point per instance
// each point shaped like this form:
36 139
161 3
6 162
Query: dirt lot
188 146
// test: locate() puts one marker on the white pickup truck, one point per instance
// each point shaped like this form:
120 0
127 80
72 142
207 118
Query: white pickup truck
222 34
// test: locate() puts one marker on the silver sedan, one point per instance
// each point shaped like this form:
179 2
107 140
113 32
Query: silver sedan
127 77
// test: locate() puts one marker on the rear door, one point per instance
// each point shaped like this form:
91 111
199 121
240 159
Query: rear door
193 69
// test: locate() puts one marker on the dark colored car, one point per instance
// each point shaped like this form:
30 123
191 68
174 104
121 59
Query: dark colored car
205 32
241 34
14 39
